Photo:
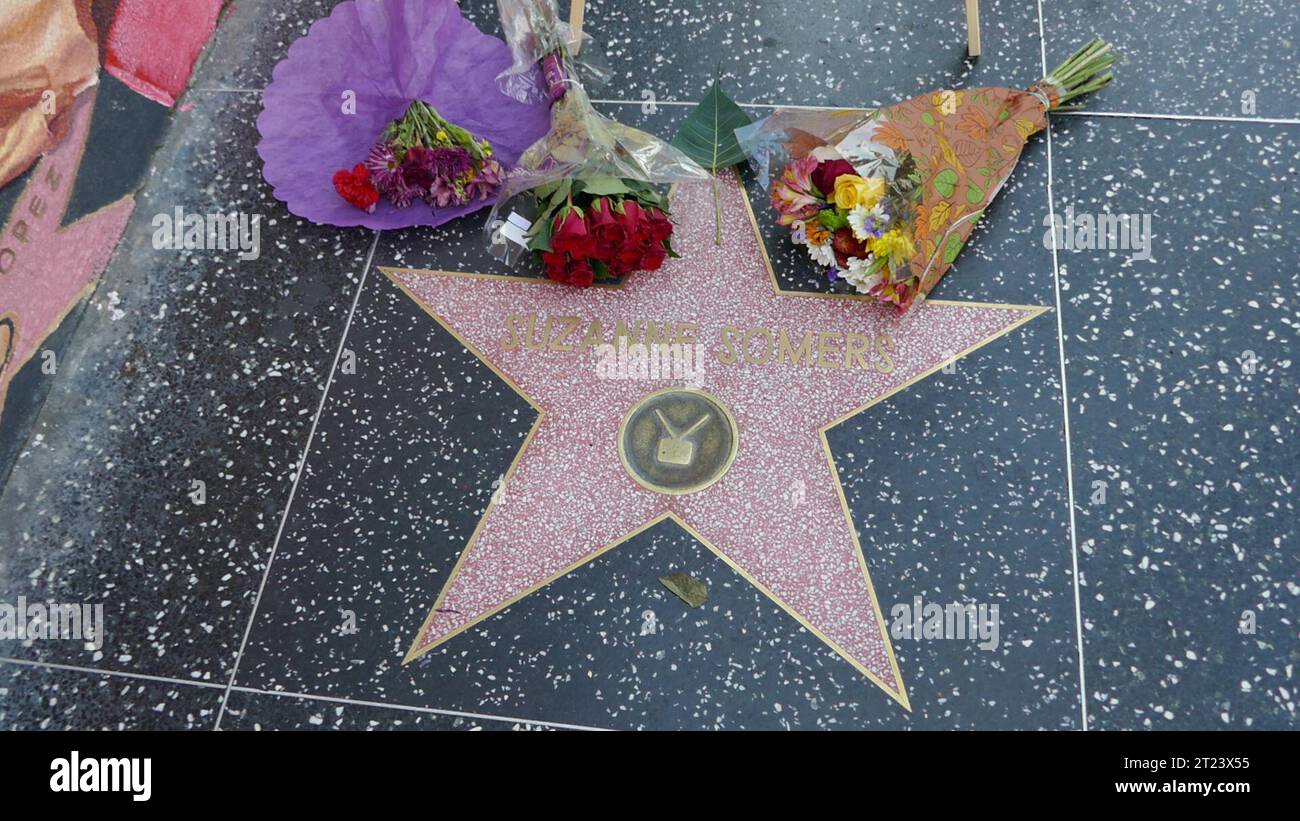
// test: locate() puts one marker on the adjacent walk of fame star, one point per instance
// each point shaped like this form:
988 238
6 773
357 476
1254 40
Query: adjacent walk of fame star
733 450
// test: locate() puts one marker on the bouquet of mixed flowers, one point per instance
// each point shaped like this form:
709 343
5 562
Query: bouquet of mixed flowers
422 156
403 96
885 199
582 199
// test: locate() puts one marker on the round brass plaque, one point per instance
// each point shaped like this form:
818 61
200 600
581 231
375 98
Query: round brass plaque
677 441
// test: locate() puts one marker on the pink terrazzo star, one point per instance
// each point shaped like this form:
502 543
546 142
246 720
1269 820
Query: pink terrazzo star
778 515
46 268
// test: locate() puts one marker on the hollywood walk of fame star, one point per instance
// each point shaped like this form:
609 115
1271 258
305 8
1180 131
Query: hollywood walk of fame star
610 456
47 268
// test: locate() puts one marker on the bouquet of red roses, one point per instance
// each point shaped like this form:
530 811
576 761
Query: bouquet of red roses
582 199
585 237
885 199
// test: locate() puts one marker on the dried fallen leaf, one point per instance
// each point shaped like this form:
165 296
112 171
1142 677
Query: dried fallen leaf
687 588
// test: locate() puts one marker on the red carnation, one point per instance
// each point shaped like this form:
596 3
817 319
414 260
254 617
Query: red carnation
355 187
570 235
848 245
827 172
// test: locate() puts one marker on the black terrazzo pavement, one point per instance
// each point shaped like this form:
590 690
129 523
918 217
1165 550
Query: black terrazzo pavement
1185 402
958 485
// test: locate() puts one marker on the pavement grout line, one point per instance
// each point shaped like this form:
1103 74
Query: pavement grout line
73 668
1193 117
1136 115
212 685
426 710
1065 402
297 476
1133 115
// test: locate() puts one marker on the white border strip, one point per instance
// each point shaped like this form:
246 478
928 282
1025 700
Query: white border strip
1065 402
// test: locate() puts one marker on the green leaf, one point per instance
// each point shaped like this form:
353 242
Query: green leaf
974 194
687 588
545 190
604 186
708 135
831 219
562 191
651 199
541 241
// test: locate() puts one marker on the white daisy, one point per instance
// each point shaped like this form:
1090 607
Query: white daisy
858 274
823 254
868 223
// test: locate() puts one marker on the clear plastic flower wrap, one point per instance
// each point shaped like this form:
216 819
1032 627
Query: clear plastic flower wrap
583 199
886 198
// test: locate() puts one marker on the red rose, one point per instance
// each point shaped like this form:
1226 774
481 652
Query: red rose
556 265
658 225
628 257
600 221
631 219
827 172
570 235
580 273
618 267
652 257
355 187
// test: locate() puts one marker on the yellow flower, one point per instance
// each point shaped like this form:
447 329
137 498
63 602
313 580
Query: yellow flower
896 246
851 191
441 135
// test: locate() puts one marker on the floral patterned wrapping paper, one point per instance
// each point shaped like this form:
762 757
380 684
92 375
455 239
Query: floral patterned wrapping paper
965 144
955 149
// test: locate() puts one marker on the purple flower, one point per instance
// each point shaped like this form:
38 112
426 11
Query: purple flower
418 171
402 195
450 163
446 192
486 182
385 167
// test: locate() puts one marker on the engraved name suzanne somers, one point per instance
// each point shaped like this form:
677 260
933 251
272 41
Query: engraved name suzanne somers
758 345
